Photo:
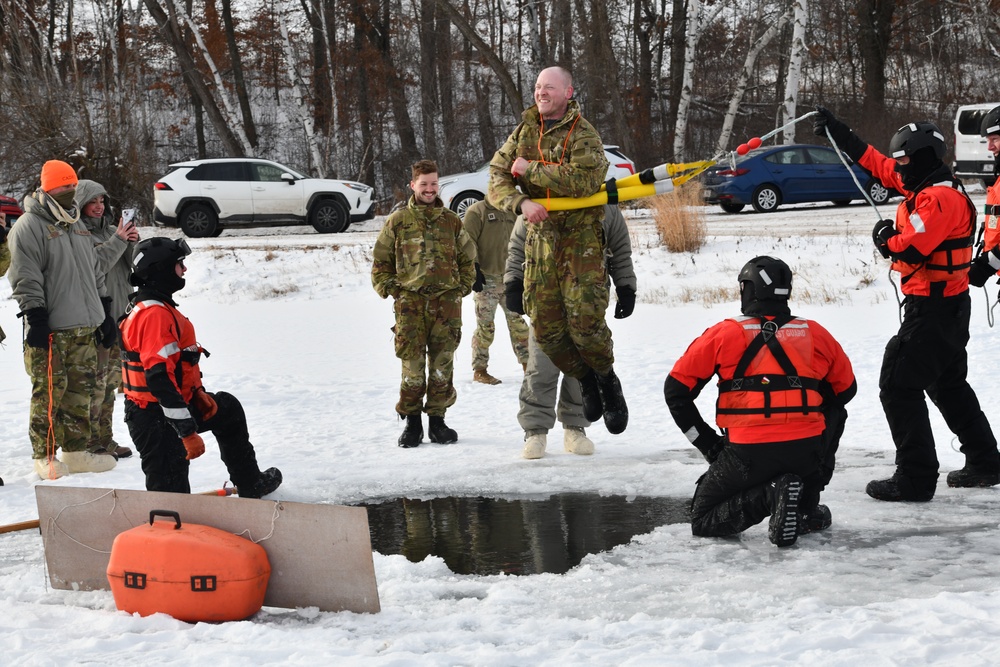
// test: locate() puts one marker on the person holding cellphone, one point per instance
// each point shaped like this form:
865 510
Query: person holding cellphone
114 245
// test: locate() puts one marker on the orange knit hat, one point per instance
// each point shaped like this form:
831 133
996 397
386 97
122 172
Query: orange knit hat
56 173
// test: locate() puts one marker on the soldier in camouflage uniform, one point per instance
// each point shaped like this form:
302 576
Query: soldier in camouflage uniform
55 280
490 229
114 246
423 259
555 152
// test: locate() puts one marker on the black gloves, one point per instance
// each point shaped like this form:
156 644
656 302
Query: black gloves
980 271
107 333
514 295
881 233
846 140
480 280
710 448
38 328
626 302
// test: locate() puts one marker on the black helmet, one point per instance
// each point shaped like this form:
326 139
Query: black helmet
156 256
991 123
912 137
771 279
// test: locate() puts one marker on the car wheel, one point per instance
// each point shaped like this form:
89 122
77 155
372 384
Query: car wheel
732 208
218 231
878 192
841 202
464 200
199 221
329 216
766 198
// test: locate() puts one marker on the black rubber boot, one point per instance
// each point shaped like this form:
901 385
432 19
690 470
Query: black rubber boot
968 477
818 519
439 432
413 434
783 501
592 406
268 482
613 400
901 488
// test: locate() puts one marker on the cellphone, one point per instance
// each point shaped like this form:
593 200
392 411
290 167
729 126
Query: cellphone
128 215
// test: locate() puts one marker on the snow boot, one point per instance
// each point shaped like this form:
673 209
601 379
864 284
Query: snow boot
534 444
816 520
900 488
613 402
46 470
88 462
268 481
593 409
783 501
480 375
968 477
413 433
439 432
575 441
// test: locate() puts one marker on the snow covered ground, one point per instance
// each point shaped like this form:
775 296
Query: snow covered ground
296 332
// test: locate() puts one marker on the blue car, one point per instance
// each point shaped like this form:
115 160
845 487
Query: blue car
769 177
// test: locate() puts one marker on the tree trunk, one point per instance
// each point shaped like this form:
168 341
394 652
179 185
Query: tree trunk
236 62
797 53
874 33
192 76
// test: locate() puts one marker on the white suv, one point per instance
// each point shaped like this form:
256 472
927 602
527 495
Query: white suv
203 197
460 191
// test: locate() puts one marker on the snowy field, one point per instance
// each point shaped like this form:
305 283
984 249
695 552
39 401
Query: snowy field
297 333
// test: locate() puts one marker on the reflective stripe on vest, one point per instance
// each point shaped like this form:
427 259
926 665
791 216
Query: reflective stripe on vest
774 382
951 259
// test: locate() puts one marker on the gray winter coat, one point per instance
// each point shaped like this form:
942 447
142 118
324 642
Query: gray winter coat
617 250
114 256
53 265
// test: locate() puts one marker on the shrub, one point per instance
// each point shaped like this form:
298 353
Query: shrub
680 219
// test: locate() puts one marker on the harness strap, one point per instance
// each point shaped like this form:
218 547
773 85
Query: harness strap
766 384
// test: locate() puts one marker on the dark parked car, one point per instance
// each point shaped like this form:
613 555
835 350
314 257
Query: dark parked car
10 208
768 177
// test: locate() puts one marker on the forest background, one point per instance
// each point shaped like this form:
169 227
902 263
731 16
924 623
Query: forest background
359 89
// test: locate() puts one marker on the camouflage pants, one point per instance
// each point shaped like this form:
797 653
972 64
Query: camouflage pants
486 307
102 407
428 332
74 375
565 295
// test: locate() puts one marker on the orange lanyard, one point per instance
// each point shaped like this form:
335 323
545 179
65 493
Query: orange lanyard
548 193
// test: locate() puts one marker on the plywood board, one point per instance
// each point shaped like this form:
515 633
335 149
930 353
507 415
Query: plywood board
320 554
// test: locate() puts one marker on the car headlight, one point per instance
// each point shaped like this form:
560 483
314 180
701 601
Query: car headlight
361 187
447 181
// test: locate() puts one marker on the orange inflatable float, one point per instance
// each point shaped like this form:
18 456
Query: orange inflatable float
191 572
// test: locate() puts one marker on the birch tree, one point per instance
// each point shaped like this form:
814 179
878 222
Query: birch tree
800 8
698 17
305 115
744 78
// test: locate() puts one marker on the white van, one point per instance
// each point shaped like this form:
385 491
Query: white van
972 160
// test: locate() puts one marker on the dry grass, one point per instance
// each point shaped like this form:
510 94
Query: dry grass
679 218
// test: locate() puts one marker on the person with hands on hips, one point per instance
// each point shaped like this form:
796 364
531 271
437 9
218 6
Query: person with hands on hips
930 245
166 405
987 264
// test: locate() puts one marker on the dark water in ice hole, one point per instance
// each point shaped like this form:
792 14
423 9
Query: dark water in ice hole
516 536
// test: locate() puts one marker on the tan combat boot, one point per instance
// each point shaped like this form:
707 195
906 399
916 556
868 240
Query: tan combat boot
480 375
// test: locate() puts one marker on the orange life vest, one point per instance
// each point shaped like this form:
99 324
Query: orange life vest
774 382
154 332
951 259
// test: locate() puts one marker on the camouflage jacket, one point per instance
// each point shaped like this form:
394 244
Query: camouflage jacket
571 163
489 229
617 250
423 249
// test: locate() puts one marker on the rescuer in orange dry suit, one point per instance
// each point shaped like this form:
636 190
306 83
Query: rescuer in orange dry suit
783 385
166 406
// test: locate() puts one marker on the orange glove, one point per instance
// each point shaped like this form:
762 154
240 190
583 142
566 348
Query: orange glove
205 404
194 445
